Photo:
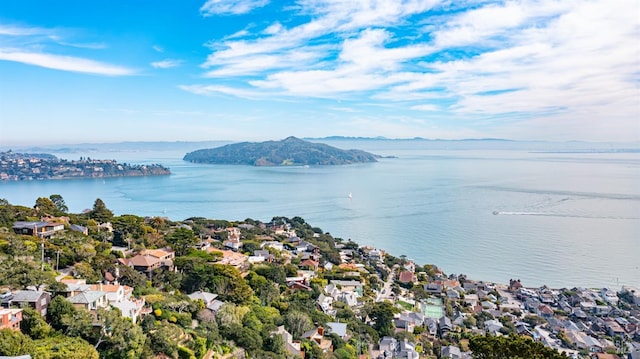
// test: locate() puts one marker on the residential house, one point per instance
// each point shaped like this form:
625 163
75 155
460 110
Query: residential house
433 287
78 228
206 297
633 292
406 277
115 292
317 335
143 263
348 285
272 244
131 308
268 257
388 346
471 299
340 329
544 311
90 300
450 352
325 303
166 255
604 356
256 259
403 325
445 326
310 264
37 300
293 347
328 266
233 244
492 326
119 296
350 298
584 341
39 229
613 328
609 296
237 260
514 285
407 350
74 286
10 318
432 326
452 294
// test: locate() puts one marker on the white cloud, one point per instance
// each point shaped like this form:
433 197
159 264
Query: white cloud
425 108
65 63
29 45
157 48
213 90
572 61
166 64
15 30
230 7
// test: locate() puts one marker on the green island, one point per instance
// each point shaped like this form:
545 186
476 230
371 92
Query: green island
291 151
99 285
38 166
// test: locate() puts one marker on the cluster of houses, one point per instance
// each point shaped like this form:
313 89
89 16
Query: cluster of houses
576 321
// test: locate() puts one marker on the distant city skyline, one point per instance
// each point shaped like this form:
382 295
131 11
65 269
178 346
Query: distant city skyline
82 72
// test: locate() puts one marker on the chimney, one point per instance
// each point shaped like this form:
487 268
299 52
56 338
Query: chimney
321 331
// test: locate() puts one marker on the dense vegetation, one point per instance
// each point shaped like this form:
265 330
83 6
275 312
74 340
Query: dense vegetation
257 300
288 152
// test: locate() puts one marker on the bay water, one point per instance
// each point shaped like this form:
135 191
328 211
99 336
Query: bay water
560 219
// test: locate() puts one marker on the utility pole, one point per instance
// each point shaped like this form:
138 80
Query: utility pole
57 259
42 259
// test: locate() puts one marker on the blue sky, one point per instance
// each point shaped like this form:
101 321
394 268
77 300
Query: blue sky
110 71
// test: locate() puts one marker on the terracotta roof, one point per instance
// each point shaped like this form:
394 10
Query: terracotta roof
406 277
309 263
143 261
111 288
158 253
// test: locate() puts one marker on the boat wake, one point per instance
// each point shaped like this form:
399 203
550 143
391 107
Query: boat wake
551 214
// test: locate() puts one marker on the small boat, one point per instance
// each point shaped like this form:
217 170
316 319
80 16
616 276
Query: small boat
496 212
350 195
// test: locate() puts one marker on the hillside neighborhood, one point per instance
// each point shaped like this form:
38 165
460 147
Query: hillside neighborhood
28 166
204 288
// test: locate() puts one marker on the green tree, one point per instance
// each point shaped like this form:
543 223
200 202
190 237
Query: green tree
14 343
512 346
21 273
382 314
61 347
45 206
100 212
275 344
33 324
58 309
231 314
297 323
122 339
163 339
58 201
182 240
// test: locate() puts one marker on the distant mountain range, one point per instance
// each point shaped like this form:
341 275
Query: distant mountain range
291 151
344 142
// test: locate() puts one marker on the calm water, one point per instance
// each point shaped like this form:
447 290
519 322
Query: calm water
562 219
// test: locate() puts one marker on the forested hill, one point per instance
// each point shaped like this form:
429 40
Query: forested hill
291 151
